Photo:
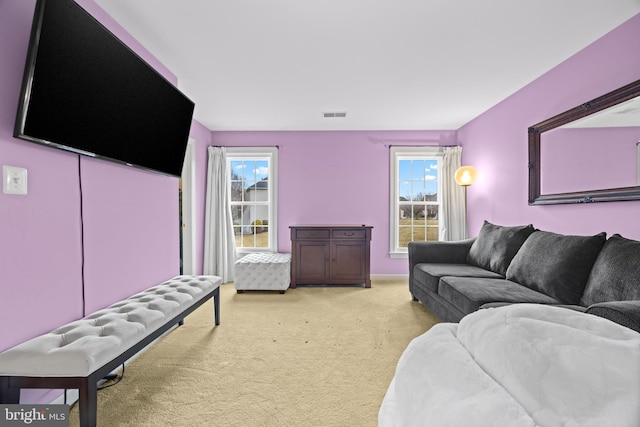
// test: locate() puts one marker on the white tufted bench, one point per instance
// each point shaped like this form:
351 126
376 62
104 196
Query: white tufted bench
263 271
81 353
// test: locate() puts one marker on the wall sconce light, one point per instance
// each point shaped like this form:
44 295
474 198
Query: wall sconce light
465 175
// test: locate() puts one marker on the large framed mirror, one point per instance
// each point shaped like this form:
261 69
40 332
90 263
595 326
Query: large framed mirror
590 153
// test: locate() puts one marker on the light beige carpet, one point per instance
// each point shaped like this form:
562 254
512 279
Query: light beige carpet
314 356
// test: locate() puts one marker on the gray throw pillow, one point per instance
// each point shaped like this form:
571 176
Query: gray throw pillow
555 264
495 246
616 273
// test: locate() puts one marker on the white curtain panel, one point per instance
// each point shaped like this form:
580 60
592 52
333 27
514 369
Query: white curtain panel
453 197
219 242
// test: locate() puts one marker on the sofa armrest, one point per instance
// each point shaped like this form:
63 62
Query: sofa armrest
625 313
439 252
454 252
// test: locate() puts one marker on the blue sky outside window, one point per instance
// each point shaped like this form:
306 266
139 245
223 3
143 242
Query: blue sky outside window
417 178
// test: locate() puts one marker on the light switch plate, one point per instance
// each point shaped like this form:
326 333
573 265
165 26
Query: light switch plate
14 180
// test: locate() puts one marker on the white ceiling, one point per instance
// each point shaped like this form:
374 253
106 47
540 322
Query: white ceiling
390 64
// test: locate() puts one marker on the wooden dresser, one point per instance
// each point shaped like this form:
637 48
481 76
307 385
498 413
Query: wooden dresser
330 254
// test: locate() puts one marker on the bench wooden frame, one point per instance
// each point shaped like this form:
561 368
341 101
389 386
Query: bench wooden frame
88 386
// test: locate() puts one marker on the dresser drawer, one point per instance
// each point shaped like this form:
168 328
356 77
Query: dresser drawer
316 233
348 233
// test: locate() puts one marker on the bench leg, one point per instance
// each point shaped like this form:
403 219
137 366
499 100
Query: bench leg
8 395
88 403
216 305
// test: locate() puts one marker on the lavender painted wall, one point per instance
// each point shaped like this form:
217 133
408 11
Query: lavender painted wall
131 226
336 177
496 141
131 230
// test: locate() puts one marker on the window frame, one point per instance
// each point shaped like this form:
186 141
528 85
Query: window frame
409 153
270 154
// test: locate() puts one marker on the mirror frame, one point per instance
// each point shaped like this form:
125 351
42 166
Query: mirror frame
617 96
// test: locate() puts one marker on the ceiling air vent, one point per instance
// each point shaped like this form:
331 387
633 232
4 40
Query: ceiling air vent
334 114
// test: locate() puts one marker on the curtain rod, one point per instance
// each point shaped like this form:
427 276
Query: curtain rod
422 145
435 141
419 146
245 146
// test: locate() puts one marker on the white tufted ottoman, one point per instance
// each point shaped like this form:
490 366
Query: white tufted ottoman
263 271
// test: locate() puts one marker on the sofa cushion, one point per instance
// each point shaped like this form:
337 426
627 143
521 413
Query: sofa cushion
429 274
496 245
555 264
616 273
468 294
625 313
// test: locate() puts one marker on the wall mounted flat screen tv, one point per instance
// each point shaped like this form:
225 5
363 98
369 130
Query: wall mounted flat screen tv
85 91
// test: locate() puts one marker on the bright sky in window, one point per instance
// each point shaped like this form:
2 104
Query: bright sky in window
418 177
250 170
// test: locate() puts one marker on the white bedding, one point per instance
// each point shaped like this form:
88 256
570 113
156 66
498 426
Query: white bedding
519 365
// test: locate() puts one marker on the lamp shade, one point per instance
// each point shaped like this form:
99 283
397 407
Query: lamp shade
465 175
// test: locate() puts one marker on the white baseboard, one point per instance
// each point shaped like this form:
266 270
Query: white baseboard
389 277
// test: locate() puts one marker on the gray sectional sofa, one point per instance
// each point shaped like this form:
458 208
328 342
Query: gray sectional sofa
507 265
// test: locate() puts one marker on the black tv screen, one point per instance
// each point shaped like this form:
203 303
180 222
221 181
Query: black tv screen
85 91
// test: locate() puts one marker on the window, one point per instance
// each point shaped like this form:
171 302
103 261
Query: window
416 197
253 193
